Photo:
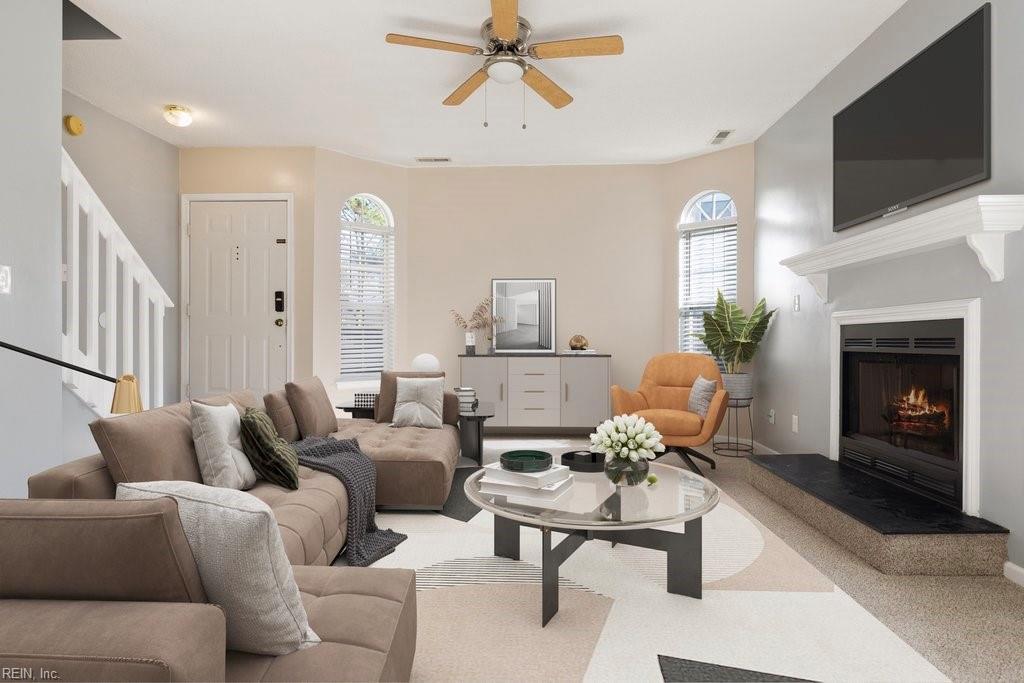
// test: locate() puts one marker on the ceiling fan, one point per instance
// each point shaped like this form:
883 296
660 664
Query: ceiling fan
506 34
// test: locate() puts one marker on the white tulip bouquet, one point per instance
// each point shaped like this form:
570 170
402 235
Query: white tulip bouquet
629 437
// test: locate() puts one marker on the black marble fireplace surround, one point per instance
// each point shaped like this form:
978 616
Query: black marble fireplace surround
900 410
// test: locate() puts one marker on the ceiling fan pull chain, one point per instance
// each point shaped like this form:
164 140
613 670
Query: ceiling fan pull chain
524 106
485 104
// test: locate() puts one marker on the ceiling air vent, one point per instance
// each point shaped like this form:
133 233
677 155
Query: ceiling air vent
720 136
433 160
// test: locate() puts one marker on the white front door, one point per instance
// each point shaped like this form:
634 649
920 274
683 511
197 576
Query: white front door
238 275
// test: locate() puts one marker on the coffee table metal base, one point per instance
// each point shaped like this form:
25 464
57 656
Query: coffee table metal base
683 550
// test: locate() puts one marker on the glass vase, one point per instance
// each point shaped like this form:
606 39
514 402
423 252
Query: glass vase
625 472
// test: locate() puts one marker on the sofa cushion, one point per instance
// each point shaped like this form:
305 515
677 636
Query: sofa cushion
313 519
419 402
152 445
367 617
312 407
217 435
415 466
241 559
673 422
273 458
96 550
241 399
280 411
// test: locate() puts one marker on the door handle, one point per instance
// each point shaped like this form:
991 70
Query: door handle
566 392
279 322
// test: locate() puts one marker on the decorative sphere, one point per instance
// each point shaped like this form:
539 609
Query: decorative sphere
578 342
426 362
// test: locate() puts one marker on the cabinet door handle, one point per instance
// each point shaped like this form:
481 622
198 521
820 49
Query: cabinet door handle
501 391
566 392
534 391
534 374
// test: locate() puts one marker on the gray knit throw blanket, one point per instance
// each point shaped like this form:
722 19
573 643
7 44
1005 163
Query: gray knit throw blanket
341 457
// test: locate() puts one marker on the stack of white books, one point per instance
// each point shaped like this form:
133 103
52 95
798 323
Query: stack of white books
541 487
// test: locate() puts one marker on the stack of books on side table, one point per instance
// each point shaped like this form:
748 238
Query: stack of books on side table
540 487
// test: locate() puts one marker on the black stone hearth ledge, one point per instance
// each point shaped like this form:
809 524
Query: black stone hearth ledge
884 507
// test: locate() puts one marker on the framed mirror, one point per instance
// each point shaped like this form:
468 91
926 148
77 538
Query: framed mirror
524 309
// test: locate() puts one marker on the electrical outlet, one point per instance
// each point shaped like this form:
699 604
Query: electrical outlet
771 416
796 424
5 279
796 303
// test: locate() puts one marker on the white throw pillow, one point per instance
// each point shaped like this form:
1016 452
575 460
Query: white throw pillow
217 433
701 393
241 559
419 402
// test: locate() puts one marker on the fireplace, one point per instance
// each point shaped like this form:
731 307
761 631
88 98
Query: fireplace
901 396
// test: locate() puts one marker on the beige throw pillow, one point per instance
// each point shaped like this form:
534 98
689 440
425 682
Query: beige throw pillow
217 433
419 402
242 563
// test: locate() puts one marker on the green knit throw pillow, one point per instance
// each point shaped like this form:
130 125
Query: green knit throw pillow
273 458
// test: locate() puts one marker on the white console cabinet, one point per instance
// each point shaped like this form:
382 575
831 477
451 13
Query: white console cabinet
569 391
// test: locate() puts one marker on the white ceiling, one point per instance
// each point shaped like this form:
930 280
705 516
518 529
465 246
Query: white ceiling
318 73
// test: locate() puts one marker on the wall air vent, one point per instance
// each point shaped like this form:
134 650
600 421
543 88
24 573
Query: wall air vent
858 343
433 160
720 136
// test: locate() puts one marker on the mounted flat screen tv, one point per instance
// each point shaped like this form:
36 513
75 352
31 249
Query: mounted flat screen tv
920 133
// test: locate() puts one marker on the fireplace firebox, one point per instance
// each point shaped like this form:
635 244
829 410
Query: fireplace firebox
901 404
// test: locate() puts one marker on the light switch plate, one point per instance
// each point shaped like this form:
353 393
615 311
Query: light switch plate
5 279
796 303
771 416
796 424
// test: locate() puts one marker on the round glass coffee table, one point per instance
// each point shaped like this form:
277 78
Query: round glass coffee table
594 508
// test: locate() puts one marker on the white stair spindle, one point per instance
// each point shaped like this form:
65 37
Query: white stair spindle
92 289
127 320
143 371
74 262
158 353
110 310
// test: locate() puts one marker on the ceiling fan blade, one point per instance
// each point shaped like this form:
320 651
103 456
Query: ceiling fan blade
578 47
413 41
505 14
546 88
460 94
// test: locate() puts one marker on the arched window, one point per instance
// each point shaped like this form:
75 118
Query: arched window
707 262
367 288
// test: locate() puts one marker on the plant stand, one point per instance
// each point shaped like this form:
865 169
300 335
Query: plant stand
732 446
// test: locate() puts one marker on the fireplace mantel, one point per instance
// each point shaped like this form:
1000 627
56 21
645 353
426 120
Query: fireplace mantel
982 222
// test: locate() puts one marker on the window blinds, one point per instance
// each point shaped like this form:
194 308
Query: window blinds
367 300
707 263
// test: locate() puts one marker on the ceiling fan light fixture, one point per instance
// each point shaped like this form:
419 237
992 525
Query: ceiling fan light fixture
177 115
505 70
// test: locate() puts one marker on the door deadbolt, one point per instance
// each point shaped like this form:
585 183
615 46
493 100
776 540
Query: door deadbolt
279 322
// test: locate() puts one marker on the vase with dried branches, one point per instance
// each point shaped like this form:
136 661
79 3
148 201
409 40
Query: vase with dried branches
480 319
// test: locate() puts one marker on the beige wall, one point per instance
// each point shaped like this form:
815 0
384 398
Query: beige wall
267 169
730 171
607 233
338 177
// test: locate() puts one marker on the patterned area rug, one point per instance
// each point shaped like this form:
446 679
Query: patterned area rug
764 609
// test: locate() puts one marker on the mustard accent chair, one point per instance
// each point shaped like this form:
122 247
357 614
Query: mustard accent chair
663 398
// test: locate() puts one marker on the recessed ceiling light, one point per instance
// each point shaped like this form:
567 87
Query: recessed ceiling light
177 115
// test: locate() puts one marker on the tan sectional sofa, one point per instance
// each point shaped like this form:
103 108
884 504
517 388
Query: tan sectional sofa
103 590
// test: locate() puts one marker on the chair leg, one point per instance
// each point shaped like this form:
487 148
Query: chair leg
701 456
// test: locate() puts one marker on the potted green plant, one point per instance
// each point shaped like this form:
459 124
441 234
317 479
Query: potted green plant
732 337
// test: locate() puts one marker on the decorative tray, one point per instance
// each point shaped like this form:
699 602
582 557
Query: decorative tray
583 461
525 461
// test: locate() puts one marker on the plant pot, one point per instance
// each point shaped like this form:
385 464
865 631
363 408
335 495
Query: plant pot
625 472
470 343
740 386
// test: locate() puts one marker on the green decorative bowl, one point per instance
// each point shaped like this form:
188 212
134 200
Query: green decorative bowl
525 461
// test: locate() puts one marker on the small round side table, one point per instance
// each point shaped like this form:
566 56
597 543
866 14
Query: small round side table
732 446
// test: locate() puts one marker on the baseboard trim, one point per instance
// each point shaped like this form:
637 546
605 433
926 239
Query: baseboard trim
1014 572
761 448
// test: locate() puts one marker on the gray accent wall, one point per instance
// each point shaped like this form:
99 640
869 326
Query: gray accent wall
794 214
136 176
30 390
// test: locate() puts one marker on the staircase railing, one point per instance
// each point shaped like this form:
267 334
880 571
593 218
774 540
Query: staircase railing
114 306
